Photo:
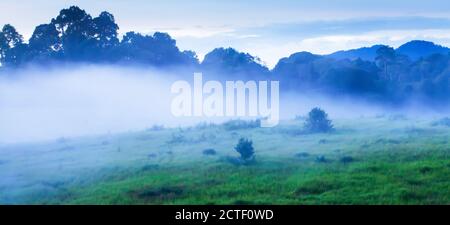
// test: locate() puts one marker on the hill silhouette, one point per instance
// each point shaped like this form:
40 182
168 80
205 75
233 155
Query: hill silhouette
418 70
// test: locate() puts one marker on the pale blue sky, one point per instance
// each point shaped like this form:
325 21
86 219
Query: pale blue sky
268 29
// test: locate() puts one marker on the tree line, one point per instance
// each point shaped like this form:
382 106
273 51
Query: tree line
75 36
389 76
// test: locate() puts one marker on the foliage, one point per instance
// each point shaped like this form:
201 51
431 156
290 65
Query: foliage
321 159
346 159
442 122
245 149
209 151
233 63
241 124
75 36
318 122
417 70
148 171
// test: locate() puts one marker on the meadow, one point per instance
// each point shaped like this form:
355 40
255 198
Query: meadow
387 159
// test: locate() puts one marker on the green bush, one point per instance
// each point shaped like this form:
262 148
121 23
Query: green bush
318 122
209 151
245 149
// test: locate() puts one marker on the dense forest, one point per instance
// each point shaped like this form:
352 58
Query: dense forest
417 70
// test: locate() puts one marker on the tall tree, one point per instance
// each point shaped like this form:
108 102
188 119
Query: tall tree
4 47
12 37
385 58
106 30
77 32
12 47
45 41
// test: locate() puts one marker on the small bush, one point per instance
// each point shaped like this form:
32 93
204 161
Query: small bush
150 167
160 193
321 159
387 141
316 187
302 155
209 151
318 122
245 149
206 136
442 122
346 159
425 169
233 160
241 124
177 138
156 128
204 125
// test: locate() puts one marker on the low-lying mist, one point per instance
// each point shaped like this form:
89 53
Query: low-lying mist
41 104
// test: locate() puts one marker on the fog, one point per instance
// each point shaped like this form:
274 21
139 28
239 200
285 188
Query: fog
48 103
38 104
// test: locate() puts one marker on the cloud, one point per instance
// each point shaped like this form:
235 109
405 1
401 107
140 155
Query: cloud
38 104
270 51
270 42
332 43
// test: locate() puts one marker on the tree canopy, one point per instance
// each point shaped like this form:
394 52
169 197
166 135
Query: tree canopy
75 36
417 69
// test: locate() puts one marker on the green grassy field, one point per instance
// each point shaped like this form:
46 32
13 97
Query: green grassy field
368 161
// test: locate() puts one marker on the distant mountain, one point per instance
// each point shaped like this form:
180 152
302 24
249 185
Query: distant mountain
365 53
417 69
413 49
416 49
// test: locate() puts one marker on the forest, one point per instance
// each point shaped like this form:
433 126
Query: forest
417 71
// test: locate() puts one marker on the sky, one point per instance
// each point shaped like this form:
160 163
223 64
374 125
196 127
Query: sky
267 29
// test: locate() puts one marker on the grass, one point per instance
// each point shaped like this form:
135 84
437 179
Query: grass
392 162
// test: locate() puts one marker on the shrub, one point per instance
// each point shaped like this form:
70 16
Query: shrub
245 149
177 138
318 122
321 159
241 124
302 155
347 159
150 167
206 137
204 125
209 151
442 122
156 128
233 160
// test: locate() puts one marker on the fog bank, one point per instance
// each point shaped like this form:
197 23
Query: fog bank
43 104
